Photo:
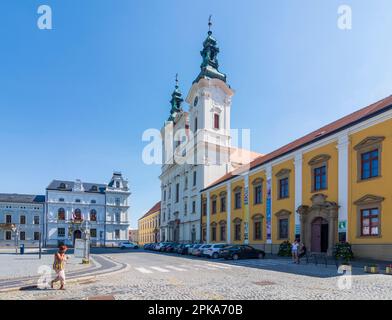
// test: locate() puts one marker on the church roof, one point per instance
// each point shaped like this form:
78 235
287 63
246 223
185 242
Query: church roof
330 129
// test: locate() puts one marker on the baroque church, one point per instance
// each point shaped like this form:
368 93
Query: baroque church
198 147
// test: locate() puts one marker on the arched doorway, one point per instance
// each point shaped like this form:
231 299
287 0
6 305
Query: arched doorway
77 235
319 235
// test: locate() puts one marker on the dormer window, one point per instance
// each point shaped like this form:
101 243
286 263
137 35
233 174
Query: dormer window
62 186
61 200
94 188
93 201
117 184
77 200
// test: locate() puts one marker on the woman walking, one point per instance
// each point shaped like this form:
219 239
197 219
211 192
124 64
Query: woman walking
294 251
59 267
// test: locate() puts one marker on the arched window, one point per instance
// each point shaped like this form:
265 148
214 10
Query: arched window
117 184
77 214
93 215
61 214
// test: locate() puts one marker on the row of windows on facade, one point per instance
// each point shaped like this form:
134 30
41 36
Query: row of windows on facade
22 219
93 188
369 226
369 169
117 201
77 215
149 238
150 224
22 236
22 208
93 233
283 230
216 122
177 199
185 210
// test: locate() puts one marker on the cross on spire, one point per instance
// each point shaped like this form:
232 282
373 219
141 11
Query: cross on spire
176 80
209 25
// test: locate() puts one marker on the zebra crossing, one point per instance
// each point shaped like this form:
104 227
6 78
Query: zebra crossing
211 266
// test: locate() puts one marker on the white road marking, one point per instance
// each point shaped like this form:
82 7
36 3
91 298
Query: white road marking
175 268
159 269
205 267
143 270
218 266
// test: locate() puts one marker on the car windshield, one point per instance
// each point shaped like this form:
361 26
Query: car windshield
207 246
220 246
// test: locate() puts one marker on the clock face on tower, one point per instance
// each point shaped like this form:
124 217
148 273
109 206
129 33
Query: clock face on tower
196 101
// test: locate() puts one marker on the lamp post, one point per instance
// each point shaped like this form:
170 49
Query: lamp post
15 229
86 232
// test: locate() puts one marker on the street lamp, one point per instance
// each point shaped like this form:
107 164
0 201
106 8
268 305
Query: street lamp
15 229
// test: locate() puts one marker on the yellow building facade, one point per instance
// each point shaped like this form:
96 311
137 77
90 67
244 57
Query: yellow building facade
331 186
149 224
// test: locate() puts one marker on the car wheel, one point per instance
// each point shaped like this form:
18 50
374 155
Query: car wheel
215 255
235 256
260 256
136 247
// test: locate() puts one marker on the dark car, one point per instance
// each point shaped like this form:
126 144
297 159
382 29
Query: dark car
241 252
170 247
184 249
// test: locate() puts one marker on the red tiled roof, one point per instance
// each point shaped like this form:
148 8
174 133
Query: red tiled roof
154 209
338 125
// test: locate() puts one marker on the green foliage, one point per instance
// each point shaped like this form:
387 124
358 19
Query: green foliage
343 252
285 249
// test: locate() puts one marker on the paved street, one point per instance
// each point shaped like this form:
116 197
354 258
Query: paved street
152 275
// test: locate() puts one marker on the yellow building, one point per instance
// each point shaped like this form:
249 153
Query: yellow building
149 225
334 184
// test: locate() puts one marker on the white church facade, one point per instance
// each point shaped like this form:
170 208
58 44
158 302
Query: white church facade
197 148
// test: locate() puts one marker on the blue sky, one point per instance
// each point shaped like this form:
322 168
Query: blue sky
75 100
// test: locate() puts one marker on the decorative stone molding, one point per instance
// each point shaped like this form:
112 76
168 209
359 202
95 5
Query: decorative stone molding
214 197
369 142
369 199
282 173
213 224
237 220
283 213
257 217
222 222
319 159
223 194
320 208
257 181
237 189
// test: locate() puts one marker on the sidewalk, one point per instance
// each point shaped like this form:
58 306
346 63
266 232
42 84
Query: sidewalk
356 263
28 265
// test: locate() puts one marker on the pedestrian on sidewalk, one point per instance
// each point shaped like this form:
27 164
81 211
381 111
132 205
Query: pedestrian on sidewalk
59 266
294 251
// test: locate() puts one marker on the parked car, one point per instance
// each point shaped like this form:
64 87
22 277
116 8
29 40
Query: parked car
214 250
199 251
184 249
170 247
193 248
241 252
128 245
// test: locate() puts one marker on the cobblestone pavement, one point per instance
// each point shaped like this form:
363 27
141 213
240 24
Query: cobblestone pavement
159 276
27 265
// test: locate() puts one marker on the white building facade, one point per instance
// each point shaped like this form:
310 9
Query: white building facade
22 219
196 148
72 207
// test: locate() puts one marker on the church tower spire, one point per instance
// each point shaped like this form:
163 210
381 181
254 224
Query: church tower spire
209 65
175 101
